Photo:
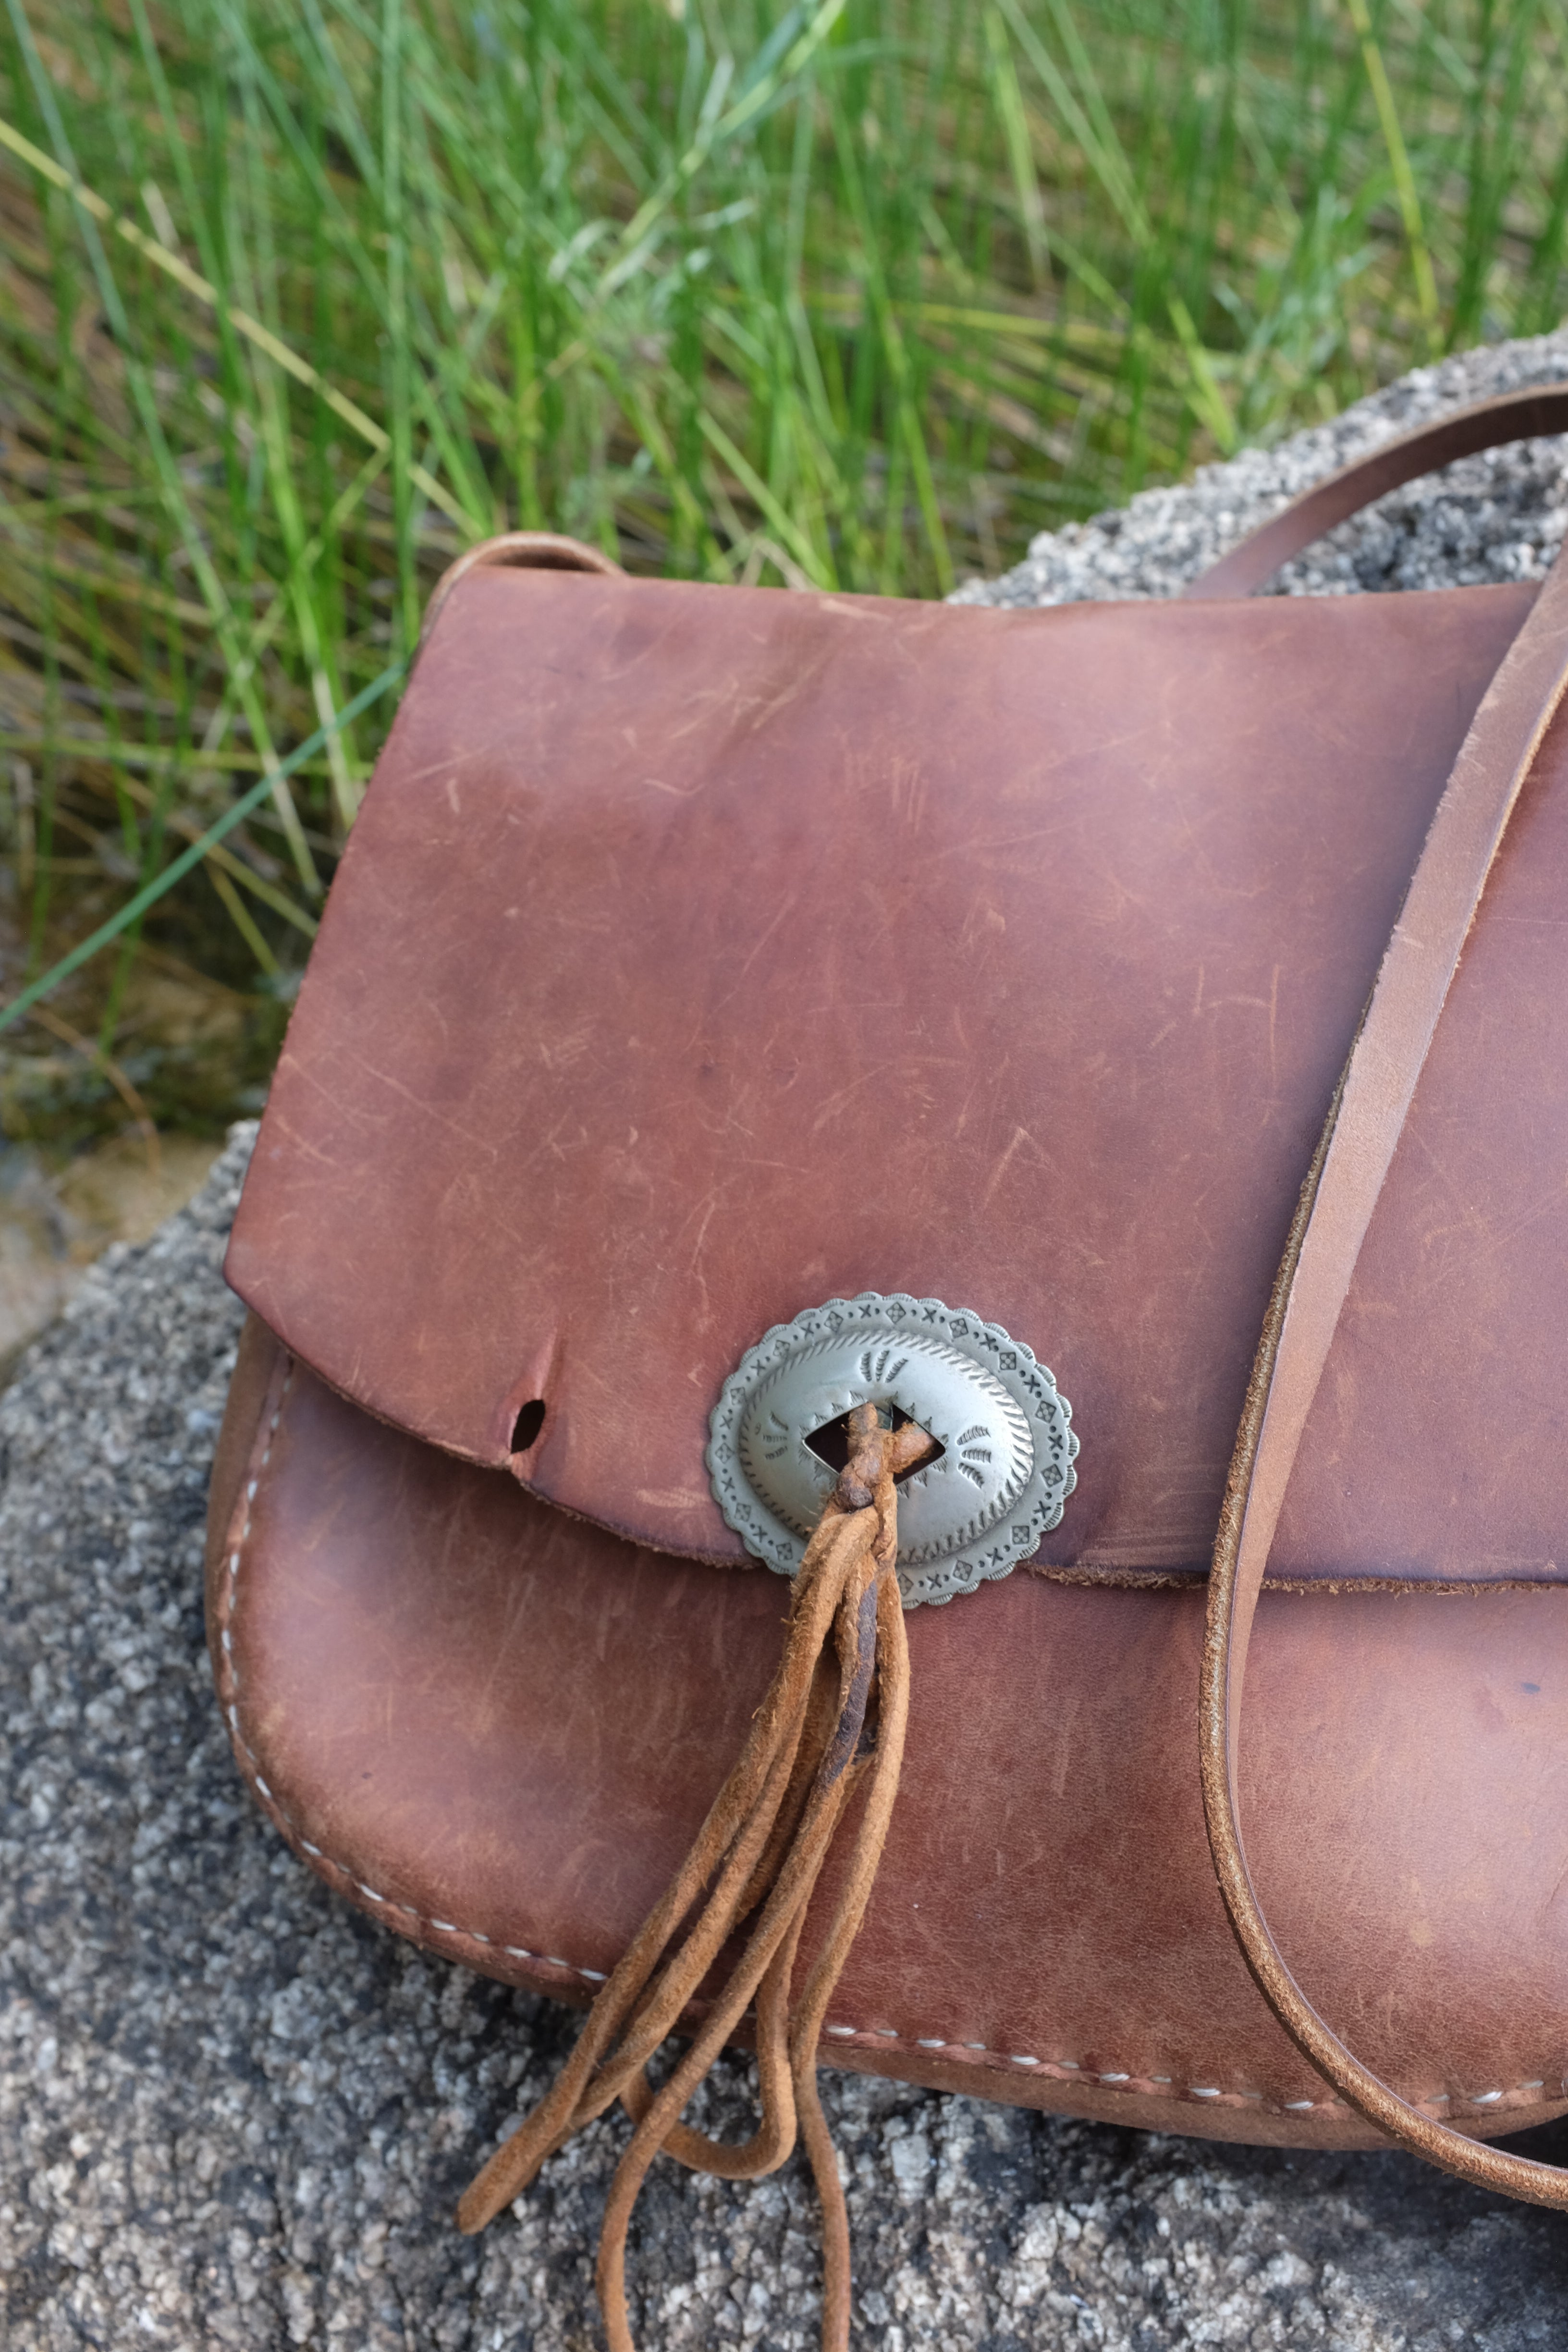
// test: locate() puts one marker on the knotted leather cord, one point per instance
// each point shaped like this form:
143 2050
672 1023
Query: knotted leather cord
832 1723
1362 1131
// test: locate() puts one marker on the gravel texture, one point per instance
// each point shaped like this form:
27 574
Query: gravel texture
1501 516
235 2113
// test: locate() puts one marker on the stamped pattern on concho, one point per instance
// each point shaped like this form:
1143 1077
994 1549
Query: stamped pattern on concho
999 1484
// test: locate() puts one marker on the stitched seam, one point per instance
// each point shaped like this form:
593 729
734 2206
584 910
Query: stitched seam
1024 2062
250 1763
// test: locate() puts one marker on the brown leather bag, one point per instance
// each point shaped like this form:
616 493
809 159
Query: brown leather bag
704 956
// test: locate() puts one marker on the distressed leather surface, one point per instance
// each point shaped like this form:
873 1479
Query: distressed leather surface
700 955
419 1662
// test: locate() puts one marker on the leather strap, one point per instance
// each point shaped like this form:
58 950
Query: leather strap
532 551
1513 416
822 1734
1338 1198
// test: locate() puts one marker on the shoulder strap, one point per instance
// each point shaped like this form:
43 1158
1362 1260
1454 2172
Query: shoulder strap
1514 417
1337 1201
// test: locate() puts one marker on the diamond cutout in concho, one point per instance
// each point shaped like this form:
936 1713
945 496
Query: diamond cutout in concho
1006 1466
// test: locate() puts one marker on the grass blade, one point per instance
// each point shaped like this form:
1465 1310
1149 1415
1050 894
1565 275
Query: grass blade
179 866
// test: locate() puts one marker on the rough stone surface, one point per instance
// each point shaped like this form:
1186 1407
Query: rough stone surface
1499 516
235 2113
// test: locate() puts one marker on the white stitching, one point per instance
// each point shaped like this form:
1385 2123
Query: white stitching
1059 2067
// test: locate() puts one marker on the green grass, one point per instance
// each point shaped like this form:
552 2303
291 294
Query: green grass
859 294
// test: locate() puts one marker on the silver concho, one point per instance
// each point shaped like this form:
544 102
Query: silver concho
1007 1464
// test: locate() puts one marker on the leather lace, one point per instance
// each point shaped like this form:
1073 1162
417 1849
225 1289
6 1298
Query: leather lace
831 1726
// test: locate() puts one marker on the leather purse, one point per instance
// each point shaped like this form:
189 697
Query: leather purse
751 1035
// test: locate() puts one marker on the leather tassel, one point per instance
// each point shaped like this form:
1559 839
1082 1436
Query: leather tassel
832 1723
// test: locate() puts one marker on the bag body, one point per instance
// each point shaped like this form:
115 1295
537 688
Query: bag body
497 1728
703 955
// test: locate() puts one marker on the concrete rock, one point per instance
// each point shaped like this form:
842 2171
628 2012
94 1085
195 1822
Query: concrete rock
235 2113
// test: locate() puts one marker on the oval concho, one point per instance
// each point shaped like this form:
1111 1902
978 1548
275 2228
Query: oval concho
1007 1445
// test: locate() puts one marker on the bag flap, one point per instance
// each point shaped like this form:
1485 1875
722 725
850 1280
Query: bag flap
700 955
